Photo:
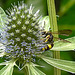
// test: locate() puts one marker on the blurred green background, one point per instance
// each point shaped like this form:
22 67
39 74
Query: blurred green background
66 11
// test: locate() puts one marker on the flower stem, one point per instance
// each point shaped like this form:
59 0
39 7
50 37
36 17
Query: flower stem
54 27
26 70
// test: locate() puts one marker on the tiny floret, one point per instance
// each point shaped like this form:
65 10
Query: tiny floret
33 24
9 27
34 18
29 38
12 34
19 8
14 18
28 16
22 16
23 27
34 33
23 35
27 22
17 31
18 12
13 26
23 43
18 22
12 13
17 39
29 30
26 11
9 20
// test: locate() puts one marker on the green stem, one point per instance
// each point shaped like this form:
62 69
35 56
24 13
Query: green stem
54 27
26 70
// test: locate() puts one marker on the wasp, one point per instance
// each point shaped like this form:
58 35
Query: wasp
49 38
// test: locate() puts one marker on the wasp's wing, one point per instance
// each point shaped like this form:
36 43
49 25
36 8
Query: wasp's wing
62 40
63 32
68 32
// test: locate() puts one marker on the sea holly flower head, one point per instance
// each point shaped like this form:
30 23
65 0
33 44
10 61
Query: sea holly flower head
21 41
21 36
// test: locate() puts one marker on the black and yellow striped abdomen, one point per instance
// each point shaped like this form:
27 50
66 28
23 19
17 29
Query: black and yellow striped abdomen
47 47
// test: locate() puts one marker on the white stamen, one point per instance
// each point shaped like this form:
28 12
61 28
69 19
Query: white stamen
33 24
34 18
39 18
14 18
34 33
18 12
19 22
9 27
17 31
23 35
36 27
37 35
31 9
23 27
22 16
22 5
29 38
9 20
29 30
21 49
12 13
15 6
13 26
26 11
14 9
36 13
19 8
27 22
17 39
28 16
12 34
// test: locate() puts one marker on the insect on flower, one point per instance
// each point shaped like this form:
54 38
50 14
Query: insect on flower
48 38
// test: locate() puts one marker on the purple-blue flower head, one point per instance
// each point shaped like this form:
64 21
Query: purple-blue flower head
22 33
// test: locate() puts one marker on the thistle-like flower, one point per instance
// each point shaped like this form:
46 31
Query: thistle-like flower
21 35
21 41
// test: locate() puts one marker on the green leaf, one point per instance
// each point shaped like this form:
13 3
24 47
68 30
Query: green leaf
8 69
33 70
64 46
45 23
4 63
68 66
3 18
